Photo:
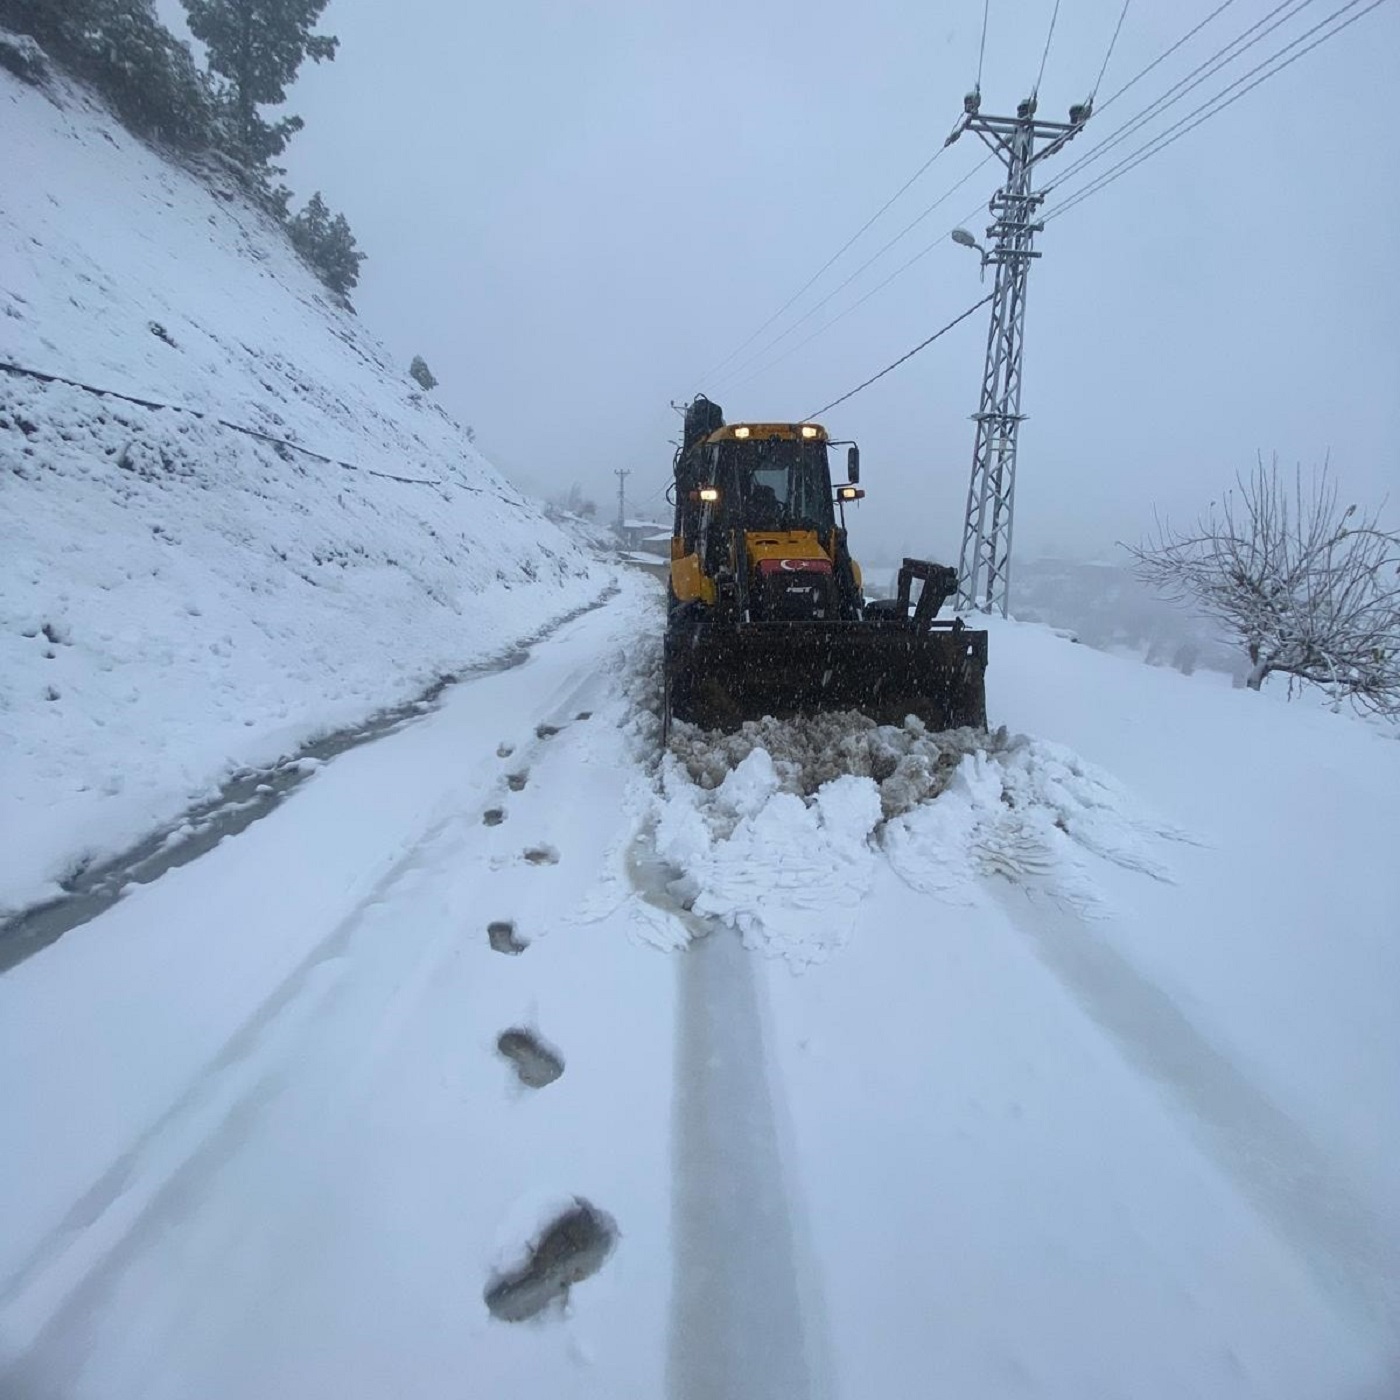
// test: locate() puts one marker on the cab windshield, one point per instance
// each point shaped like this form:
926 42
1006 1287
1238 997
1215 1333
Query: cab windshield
781 484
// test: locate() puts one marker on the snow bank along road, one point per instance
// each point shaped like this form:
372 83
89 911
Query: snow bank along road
429 1084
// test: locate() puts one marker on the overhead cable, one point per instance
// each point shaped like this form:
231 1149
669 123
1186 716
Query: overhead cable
1122 15
715 369
1214 105
1054 15
982 47
1224 55
1165 54
855 305
874 257
908 355
748 361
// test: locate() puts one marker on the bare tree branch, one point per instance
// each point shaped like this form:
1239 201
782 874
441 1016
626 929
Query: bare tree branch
1310 590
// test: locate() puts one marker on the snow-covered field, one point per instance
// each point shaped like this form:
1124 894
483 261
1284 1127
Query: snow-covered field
179 600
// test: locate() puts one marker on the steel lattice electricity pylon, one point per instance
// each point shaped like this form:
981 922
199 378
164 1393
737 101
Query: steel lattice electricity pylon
1021 142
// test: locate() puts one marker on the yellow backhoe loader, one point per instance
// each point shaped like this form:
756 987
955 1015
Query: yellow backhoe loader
766 613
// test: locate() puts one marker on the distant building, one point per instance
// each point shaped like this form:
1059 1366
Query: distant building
645 537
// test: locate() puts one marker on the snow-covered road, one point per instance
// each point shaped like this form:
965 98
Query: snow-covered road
994 1138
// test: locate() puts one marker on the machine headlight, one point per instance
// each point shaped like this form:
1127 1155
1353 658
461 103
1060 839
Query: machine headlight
709 493
741 432
808 431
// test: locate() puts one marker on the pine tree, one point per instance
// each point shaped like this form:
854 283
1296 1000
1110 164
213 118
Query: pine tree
327 245
419 370
121 47
256 47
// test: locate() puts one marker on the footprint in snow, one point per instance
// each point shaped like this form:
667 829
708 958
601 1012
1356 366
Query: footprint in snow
516 781
504 750
494 816
541 855
546 731
584 714
573 1248
536 1063
503 938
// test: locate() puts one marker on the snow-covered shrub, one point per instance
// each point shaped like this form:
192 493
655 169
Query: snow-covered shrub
327 245
420 373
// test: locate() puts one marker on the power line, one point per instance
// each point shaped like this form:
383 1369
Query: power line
873 258
1165 54
1179 129
982 47
908 355
1122 15
981 53
651 496
833 258
1231 50
855 305
1054 15
1214 105
749 361
1227 53
763 369
841 315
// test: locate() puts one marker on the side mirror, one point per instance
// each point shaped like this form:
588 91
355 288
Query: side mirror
853 463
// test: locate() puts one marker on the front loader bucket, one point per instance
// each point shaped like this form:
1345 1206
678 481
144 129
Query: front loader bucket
719 676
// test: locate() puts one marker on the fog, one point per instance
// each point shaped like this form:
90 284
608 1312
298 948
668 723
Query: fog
575 212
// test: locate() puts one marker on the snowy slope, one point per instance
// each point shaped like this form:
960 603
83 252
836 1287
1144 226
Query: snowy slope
178 599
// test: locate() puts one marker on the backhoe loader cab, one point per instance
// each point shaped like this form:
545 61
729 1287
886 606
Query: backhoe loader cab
755 515
766 610
775 482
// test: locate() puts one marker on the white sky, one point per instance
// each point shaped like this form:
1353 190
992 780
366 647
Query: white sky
573 211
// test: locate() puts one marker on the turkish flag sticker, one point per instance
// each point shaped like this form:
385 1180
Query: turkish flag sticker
794 566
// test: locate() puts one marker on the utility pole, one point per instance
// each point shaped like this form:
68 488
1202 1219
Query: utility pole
1020 142
621 473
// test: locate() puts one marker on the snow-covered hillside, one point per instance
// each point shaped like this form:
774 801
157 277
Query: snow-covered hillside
178 599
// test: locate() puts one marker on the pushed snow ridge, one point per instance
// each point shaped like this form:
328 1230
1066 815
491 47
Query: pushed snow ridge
780 829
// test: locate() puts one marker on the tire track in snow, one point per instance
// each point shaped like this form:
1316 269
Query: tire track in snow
737 1316
1344 1245
84 1257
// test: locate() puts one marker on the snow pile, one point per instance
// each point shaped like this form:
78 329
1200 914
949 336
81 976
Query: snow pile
778 829
1029 811
787 872
180 600
908 764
